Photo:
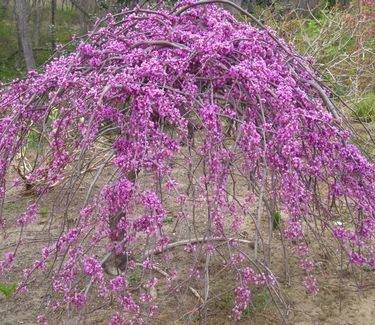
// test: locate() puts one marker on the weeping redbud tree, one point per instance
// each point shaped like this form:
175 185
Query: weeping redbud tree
209 129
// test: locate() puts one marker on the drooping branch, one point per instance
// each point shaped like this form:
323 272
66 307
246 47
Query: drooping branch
196 241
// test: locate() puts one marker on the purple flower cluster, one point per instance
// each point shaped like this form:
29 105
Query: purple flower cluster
6 262
29 216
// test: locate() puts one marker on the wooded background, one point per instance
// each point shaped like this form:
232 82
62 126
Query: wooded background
30 29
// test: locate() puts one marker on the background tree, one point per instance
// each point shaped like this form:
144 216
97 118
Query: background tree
36 21
24 41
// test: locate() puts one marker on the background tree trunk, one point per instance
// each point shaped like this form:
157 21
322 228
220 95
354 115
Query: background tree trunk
24 42
53 25
37 18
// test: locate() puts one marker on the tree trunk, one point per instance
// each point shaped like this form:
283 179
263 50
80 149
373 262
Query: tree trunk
23 34
37 18
53 25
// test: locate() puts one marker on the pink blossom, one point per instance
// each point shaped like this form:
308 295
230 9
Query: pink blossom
310 284
29 216
118 283
41 319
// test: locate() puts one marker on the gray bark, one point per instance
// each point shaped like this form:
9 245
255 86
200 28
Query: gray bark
20 10
53 25
37 17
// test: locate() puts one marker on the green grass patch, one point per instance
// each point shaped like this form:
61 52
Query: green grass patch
8 289
168 220
134 278
43 212
276 220
364 111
